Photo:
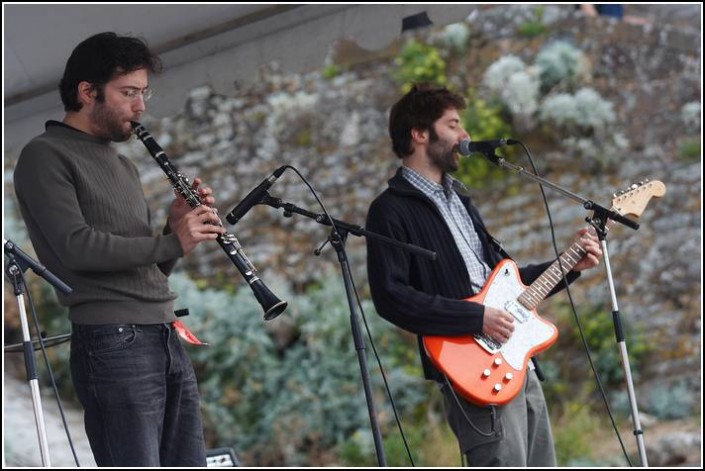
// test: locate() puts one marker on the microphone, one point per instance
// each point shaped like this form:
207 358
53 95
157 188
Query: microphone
467 147
253 197
38 268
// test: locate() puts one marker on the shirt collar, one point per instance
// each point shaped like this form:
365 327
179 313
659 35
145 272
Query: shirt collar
429 186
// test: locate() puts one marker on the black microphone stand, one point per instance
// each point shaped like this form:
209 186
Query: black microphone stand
18 264
598 221
337 238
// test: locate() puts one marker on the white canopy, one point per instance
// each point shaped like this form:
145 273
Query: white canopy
214 44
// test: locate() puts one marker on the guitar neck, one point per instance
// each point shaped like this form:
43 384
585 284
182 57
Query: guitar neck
539 289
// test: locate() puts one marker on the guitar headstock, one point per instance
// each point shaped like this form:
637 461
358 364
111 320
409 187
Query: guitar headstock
633 200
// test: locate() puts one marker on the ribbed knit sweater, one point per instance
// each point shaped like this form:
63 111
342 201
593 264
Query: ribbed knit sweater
418 294
88 221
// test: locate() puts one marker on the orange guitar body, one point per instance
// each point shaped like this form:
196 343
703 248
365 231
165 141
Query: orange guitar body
481 370
485 372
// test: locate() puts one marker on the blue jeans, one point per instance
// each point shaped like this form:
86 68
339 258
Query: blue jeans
139 393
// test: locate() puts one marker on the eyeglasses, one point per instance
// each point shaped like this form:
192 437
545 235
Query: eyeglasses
132 93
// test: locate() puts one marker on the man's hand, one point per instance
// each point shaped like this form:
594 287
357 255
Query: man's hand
179 207
498 324
196 226
591 244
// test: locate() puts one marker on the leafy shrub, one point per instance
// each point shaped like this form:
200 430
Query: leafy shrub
690 150
585 112
516 86
670 401
455 37
483 120
598 329
534 26
575 421
586 122
498 74
330 71
561 63
690 114
521 93
419 62
287 404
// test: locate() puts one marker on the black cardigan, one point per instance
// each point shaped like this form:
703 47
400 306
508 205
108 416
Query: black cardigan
420 295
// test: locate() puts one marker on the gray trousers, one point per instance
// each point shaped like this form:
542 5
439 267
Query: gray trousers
516 434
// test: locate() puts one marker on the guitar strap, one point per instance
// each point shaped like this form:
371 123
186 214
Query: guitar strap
534 365
463 192
497 245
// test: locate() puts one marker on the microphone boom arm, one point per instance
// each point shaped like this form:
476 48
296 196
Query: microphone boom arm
359 231
587 204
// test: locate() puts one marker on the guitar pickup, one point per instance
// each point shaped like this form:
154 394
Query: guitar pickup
519 312
488 343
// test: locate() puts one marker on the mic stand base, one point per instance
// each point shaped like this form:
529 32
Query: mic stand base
338 242
14 273
622 346
337 238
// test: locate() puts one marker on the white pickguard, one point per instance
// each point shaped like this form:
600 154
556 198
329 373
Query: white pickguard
528 331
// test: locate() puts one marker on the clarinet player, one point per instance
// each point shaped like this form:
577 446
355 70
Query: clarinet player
88 221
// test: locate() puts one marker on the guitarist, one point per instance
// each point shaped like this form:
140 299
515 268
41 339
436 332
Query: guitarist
426 206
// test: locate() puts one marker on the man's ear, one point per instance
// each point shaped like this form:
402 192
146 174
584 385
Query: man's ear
86 93
419 136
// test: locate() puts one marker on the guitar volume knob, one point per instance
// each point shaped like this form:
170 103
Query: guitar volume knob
497 388
497 362
508 377
486 373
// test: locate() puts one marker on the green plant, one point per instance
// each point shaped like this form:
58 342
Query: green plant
430 440
483 120
330 71
534 26
690 150
289 403
572 433
598 329
419 62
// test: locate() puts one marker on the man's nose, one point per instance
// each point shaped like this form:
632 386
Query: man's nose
139 105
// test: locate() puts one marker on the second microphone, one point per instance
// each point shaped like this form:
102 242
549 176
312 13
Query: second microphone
253 197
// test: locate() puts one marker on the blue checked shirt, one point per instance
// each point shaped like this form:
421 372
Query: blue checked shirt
458 220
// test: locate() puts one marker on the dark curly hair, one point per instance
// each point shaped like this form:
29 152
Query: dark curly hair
423 105
99 59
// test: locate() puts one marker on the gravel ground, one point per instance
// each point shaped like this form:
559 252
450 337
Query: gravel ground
20 442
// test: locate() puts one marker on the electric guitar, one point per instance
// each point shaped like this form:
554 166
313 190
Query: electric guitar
485 371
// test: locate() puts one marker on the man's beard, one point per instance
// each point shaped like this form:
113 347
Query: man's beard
109 123
442 154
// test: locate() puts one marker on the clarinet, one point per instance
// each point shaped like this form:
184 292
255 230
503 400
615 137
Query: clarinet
272 305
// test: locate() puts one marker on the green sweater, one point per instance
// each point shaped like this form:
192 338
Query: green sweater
88 221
